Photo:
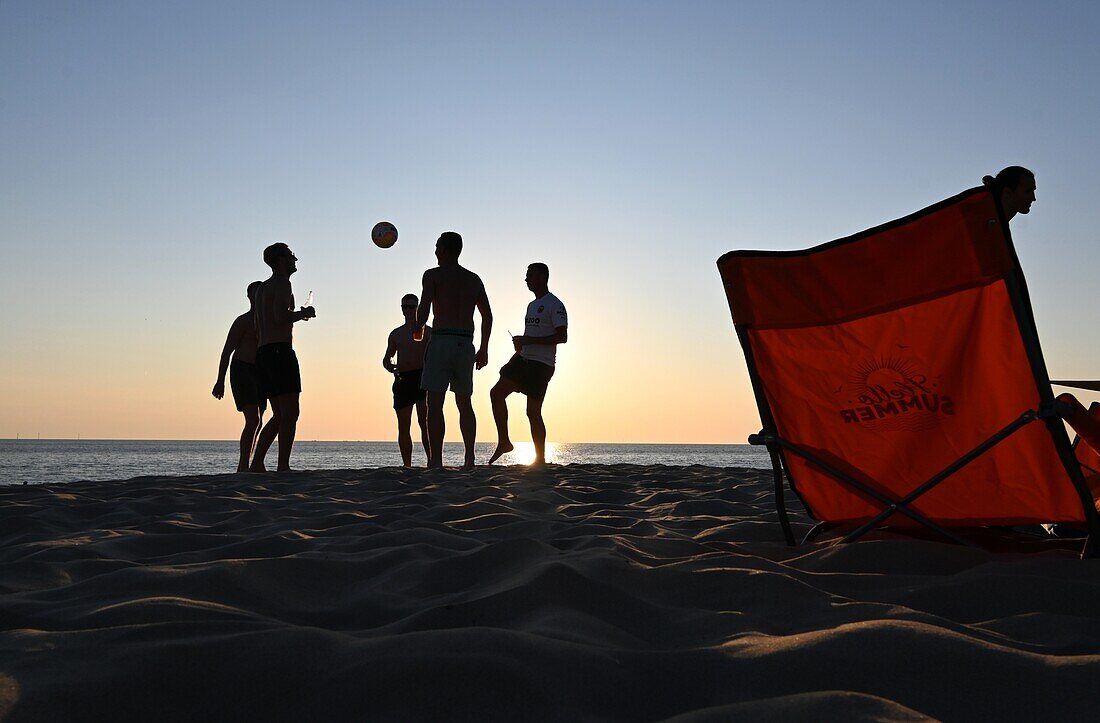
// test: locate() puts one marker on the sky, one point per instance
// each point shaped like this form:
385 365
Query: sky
150 150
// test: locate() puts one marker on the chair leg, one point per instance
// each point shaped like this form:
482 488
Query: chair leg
816 530
1089 550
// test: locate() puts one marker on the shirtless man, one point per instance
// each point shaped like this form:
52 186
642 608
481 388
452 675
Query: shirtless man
404 342
452 293
240 343
1016 185
275 359
530 369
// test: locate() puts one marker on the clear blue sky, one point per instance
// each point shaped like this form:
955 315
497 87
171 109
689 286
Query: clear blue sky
149 150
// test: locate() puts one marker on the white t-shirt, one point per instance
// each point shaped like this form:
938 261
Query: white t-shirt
544 316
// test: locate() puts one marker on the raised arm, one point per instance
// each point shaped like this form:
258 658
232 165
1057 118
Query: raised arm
482 358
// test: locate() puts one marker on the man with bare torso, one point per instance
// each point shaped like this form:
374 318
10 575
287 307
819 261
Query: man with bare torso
275 359
451 293
244 380
408 342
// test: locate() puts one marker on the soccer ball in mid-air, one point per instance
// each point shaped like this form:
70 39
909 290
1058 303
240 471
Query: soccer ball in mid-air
384 234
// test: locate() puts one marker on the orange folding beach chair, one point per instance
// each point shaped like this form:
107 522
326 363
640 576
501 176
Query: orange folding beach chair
900 380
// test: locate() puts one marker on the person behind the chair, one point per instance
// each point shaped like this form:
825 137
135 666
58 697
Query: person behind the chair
451 293
530 368
409 346
1016 186
244 380
275 358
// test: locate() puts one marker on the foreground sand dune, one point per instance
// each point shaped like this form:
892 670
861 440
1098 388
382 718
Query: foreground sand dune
573 593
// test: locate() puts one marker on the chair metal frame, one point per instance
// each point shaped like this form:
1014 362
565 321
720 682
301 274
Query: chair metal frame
1050 412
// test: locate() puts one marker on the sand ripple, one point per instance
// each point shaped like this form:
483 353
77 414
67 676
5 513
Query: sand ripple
576 593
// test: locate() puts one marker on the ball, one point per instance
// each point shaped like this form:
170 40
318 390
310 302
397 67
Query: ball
384 234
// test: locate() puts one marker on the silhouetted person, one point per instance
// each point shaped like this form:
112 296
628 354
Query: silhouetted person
244 380
1016 186
530 368
409 346
275 358
451 293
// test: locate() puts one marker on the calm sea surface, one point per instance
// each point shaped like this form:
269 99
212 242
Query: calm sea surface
36 461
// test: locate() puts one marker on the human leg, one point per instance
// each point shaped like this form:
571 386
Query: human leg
251 414
436 428
467 422
538 429
267 436
499 396
404 439
422 420
288 426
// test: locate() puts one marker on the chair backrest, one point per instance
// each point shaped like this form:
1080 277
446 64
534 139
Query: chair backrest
892 353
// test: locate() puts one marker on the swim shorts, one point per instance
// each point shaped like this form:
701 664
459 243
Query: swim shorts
244 380
406 388
531 377
278 368
449 361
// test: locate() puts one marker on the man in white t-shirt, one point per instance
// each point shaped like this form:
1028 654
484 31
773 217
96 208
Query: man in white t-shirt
530 369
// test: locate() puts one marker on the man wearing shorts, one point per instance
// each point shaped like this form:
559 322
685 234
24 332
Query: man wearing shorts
530 368
409 346
244 380
451 293
275 359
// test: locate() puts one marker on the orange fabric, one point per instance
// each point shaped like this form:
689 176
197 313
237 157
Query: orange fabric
900 371
958 245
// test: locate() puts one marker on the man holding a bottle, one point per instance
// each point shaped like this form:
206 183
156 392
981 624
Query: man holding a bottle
276 362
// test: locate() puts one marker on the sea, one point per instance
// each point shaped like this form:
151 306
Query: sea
34 461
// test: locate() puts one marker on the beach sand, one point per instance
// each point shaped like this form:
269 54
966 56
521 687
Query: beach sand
582 592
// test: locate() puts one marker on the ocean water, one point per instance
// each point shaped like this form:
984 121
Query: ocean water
34 461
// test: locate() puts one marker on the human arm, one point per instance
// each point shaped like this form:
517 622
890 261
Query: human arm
427 295
284 307
391 349
481 360
560 336
232 340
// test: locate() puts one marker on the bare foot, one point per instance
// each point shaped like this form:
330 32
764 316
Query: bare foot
503 448
284 469
257 467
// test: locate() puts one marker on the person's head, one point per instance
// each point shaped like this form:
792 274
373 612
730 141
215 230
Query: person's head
408 306
280 258
538 276
251 291
448 247
1016 186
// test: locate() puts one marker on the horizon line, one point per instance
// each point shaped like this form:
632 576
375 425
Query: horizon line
338 441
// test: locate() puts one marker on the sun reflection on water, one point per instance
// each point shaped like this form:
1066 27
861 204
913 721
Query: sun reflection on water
524 453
